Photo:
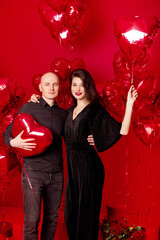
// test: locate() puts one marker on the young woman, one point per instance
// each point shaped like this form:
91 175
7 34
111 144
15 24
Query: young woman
85 168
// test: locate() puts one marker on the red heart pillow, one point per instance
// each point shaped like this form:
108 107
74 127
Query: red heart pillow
32 129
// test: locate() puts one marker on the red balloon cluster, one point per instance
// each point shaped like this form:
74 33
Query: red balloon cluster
66 19
62 68
135 37
32 129
11 97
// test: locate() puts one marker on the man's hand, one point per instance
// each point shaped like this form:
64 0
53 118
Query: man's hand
34 98
25 144
90 140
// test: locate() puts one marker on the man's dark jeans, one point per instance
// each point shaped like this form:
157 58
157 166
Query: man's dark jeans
46 186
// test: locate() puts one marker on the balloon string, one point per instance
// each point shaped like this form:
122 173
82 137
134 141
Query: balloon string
138 174
30 185
126 172
132 72
150 183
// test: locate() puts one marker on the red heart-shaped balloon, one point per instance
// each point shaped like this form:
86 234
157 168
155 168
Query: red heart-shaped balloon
135 34
32 129
123 67
60 66
36 79
146 86
5 92
63 67
114 101
58 5
7 118
65 22
146 123
8 160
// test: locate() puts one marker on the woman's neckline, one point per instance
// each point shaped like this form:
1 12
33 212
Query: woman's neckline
79 112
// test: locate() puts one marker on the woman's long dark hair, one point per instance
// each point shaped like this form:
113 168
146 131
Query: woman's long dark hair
91 92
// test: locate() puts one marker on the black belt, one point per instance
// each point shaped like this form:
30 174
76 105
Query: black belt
77 145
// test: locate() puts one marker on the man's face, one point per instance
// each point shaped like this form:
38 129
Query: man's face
49 86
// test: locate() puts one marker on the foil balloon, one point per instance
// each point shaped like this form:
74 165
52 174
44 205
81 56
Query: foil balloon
7 118
135 34
67 23
63 67
8 160
123 67
146 124
58 5
75 15
65 99
60 66
5 92
77 63
51 19
114 101
36 79
32 129
146 86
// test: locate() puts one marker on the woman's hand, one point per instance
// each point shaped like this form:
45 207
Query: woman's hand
132 95
25 144
90 140
131 98
34 98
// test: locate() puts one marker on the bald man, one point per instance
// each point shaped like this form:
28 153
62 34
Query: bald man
45 171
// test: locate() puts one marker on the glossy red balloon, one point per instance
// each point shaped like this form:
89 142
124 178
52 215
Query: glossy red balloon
146 86
123 67
8 160
60 66
65 99
7 118
58 5
77 63
5 92
36 79
114 101
64 24
32 129
135 34
63 67
146 124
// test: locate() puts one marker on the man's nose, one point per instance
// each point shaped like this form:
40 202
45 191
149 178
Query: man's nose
52 87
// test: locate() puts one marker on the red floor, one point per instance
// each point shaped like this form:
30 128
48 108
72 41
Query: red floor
14 215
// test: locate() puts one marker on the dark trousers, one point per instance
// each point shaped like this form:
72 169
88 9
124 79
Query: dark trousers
46 186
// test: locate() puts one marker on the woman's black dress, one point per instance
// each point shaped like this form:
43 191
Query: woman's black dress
85 168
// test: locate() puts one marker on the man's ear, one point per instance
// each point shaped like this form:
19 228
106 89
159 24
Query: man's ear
40 87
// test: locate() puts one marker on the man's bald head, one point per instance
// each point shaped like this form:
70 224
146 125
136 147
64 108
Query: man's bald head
49 86
48 76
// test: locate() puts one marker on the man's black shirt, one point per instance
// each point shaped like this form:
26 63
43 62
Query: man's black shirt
53 118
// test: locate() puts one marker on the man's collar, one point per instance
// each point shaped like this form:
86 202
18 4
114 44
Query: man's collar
45 104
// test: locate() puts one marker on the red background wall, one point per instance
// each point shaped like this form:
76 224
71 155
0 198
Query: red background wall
26 48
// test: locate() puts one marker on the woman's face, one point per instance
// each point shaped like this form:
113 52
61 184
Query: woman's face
77 89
